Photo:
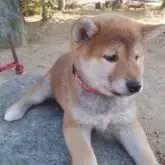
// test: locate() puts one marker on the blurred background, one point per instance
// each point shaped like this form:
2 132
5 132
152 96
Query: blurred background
40 29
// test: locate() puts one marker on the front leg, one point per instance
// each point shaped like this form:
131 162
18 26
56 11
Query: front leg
78 142
36 95
135 142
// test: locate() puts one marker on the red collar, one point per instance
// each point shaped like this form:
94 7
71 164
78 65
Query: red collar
84 85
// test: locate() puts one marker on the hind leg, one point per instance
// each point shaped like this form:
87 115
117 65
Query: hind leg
36 95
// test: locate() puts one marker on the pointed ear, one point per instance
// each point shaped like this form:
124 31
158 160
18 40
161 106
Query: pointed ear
151 31
84 29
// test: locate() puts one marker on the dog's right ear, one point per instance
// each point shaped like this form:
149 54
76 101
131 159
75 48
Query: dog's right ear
84 29
151 31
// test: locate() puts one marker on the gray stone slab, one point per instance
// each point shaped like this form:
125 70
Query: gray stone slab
37 138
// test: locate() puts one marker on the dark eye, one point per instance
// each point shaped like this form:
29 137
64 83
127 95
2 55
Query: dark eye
137 57
112 58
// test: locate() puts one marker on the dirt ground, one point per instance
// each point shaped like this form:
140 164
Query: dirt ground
46 42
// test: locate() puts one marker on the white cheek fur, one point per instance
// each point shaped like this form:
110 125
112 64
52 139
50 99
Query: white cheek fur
95 73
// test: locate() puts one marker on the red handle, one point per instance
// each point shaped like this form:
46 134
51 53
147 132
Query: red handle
19 68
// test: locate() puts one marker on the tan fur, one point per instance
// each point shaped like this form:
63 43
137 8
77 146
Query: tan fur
92 38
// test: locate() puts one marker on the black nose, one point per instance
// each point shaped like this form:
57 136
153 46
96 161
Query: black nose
133 86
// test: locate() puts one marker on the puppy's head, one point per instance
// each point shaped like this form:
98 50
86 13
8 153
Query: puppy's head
109 52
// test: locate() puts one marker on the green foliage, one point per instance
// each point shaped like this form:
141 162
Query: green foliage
34 7
30 7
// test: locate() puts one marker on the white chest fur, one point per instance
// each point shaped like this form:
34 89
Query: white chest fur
99 112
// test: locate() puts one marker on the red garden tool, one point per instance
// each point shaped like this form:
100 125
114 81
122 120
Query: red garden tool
19 68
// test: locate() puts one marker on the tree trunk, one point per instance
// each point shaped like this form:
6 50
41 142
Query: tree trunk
61 5
44 15
162 5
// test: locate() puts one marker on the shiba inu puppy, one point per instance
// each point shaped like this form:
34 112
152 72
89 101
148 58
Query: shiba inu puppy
95 83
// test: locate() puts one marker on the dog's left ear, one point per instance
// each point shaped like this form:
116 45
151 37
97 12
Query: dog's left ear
151 31
84 29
